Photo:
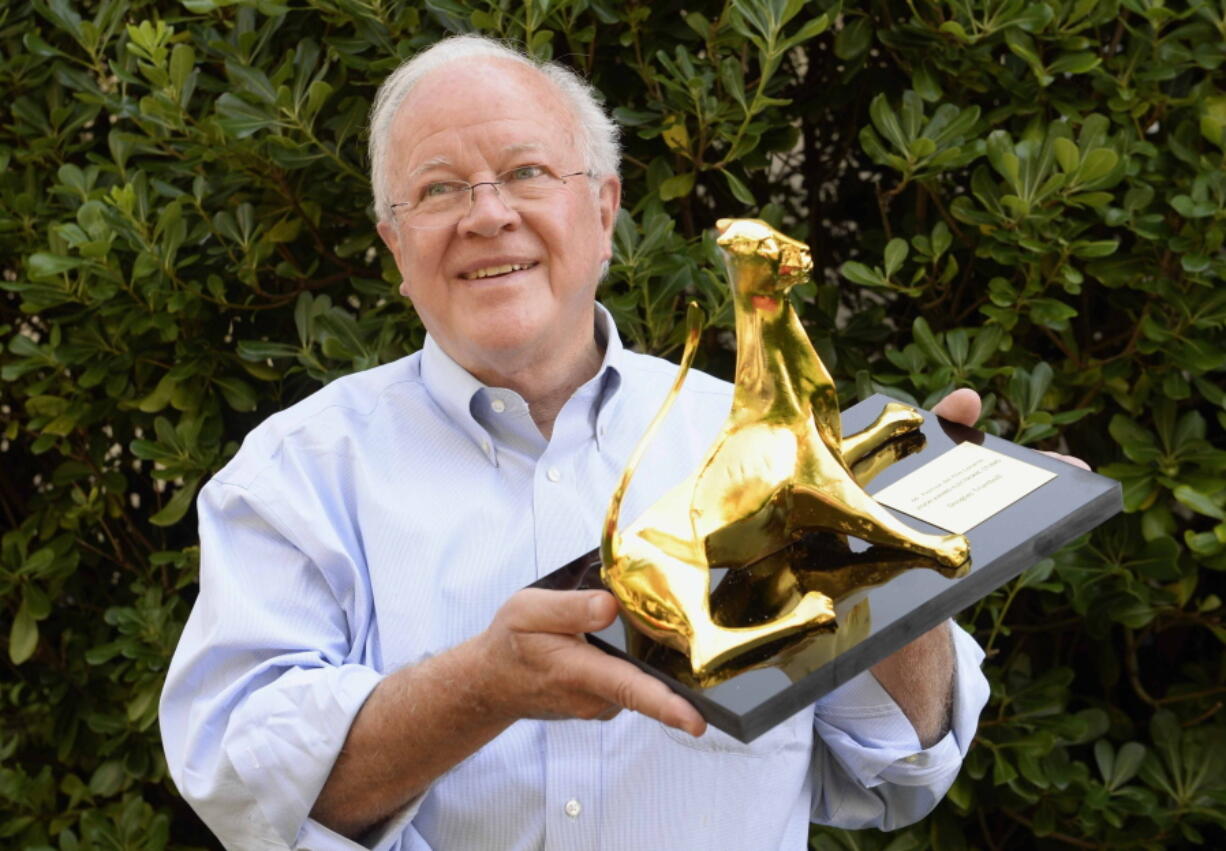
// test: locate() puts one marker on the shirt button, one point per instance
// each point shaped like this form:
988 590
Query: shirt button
554 476
485 446
498 405
573 808
913 759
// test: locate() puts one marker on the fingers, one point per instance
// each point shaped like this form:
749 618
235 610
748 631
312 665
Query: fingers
561 676
624 685
961 406
1067 459
560 612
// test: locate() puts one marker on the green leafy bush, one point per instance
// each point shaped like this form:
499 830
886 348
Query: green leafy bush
1023 196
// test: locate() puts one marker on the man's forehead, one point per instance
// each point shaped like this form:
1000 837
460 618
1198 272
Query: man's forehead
468 89
510 100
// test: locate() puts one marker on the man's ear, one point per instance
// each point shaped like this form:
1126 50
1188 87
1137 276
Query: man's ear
391 238
610 202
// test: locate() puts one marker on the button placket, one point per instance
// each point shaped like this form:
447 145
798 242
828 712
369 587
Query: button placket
572 819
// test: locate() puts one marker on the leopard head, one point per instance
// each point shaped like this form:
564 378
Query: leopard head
761 260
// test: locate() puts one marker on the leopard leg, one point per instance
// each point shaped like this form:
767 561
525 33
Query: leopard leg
896 419
842 506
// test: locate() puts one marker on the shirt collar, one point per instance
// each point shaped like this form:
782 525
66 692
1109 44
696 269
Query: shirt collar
467 402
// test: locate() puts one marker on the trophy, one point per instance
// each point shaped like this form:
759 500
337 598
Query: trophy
808 545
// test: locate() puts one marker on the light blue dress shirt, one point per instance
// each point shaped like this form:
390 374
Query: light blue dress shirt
385 519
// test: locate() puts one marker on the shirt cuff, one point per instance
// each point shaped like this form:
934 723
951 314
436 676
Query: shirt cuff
875 743
283 741
386 837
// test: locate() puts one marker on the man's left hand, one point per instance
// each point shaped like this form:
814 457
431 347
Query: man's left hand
919 676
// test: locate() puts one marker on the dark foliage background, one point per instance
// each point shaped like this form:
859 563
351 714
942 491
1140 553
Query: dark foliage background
1023 196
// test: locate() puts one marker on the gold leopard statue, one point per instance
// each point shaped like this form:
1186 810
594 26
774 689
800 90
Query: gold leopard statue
779 470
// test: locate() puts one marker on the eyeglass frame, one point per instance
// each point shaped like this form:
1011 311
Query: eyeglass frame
472 189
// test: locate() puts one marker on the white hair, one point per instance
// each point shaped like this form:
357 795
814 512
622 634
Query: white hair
598 133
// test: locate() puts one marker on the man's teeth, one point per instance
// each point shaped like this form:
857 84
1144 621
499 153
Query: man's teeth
491 271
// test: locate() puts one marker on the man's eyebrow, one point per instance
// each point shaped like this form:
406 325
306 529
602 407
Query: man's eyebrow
430 165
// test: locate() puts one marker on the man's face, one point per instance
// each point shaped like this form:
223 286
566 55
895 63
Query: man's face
473 120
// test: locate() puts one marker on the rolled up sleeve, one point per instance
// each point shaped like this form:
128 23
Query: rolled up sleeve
873 771
266 680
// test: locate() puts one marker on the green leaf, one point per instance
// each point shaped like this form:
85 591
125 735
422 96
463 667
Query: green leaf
238 393
886 122
182 61
1066 154
925 84
860 274
240 118
739 190
810 29
1127 764
317 94
1002 156
107 779
1097 200
1097 164
854 39
927 341
1051 313
23 635
251 80
1104 757
1199 502
987 343
1191 209
43 265
1098 248
895 254
1195 263
35 601
677 186
285 230
100 654
259 350
159 398
172 512
941 239
1002 770
1074 63
956 30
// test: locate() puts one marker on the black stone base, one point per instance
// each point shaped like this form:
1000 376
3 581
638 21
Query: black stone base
874 622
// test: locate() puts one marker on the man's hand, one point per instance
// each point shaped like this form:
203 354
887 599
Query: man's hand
537 665
919 676
532 662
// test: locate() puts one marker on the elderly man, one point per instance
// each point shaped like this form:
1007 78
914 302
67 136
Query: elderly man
361 668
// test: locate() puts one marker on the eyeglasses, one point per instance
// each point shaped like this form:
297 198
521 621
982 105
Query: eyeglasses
442 203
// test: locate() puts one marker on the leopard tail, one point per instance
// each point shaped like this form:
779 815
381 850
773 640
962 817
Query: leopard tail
608 543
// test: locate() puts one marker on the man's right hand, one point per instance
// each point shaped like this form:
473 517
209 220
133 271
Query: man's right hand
532 662
536 664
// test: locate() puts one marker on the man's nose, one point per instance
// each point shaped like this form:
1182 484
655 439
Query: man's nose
487 213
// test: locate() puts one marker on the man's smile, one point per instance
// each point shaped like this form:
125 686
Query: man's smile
495 269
